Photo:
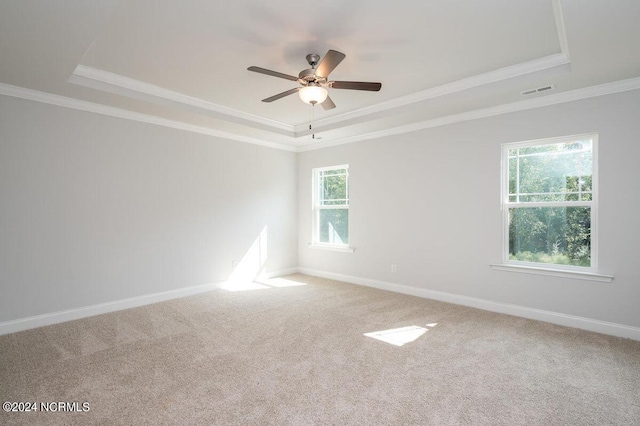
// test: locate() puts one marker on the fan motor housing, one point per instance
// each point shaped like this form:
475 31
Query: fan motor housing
307 76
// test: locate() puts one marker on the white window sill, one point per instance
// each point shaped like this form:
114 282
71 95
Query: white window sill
537 270
344 249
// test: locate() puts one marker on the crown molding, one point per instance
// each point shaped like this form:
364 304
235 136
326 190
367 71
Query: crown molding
120 85
500 74
554 99
114 83
560 27
548 100
117 84
290 135
516 70
49 98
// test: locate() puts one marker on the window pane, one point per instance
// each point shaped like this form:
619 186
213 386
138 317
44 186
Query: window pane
333 172
513 163
333 188
334 226
556 235
554 172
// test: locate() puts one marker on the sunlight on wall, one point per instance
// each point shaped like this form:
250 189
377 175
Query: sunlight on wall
250 267
400 336
246 274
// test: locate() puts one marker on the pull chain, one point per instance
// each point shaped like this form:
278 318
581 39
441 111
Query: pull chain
313 109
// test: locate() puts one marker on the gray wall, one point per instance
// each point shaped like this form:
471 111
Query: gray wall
429 201
96 209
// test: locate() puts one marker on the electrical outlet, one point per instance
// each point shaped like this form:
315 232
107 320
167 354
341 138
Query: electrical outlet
394 269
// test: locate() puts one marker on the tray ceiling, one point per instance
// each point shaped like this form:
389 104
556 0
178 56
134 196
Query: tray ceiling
184 63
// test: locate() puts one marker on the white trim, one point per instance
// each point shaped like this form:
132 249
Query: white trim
22 324
548 100
560 27
588 324
327 168
344 249
552 140
274 274
49 98
597 326
562 273
512 71
136 89
595 195
102 308
505 73
113 83
565 271
316 208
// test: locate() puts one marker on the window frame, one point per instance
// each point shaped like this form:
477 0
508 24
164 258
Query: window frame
317 208
592 204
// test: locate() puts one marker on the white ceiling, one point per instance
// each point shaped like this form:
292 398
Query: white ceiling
184 63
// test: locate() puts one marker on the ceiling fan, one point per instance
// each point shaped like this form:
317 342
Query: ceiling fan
315 78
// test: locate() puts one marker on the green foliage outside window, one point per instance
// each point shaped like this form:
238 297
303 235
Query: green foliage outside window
559 175
333 193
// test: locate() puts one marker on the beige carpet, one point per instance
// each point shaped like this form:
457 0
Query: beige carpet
296 354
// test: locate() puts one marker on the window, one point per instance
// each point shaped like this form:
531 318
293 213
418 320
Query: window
331 206
549 203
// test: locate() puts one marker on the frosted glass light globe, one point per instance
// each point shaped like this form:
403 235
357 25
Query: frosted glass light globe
313 94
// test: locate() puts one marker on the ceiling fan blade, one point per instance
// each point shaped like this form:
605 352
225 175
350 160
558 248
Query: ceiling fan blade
328 104
328 63
281 95
355 85
272 73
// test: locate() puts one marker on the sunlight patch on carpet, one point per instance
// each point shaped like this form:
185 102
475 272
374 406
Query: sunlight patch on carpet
242 286
398 336
259 284
280 282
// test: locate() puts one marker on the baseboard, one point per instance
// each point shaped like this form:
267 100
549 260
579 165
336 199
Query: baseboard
101 308
280 273
588 324
22 324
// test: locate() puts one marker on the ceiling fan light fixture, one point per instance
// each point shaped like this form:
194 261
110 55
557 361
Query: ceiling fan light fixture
313 94
315 78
